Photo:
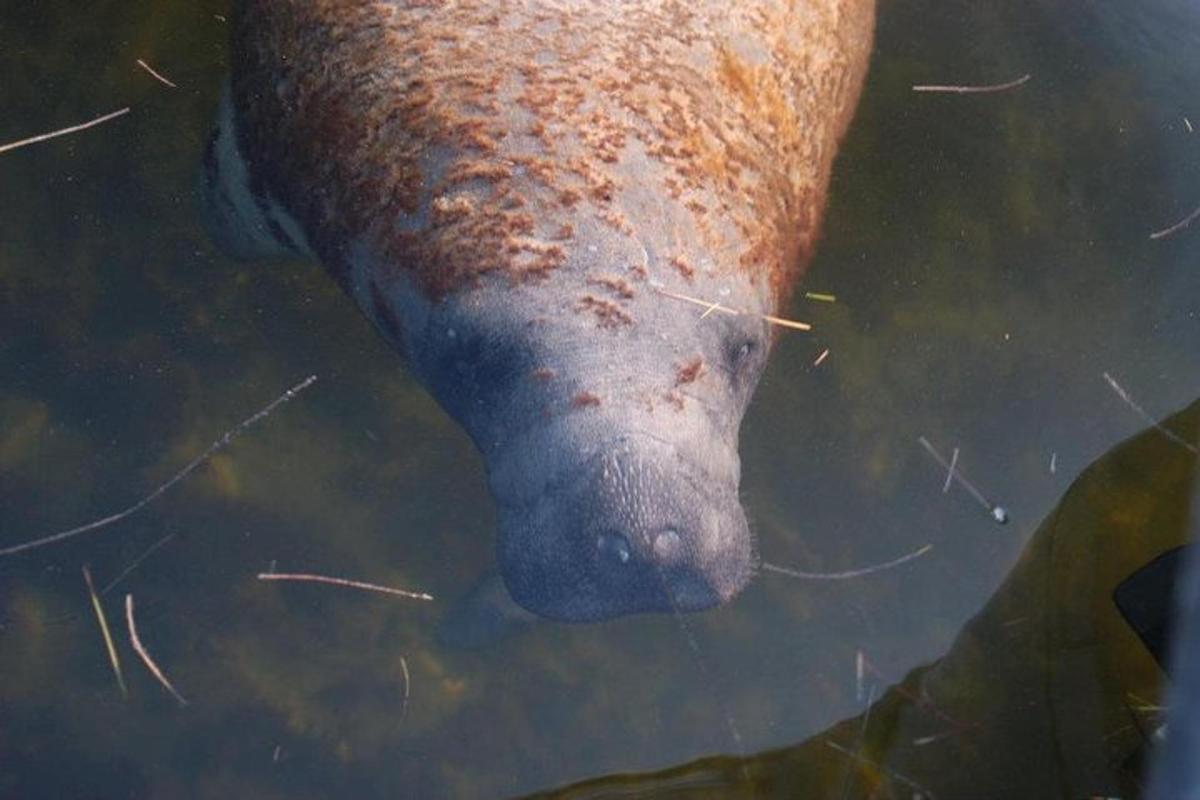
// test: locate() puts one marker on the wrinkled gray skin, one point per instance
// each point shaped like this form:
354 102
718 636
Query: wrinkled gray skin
623 507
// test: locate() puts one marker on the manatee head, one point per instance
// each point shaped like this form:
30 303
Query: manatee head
608 416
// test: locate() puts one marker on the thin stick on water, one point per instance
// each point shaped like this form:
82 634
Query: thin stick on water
146 659
851 573
998 513
1129 401
370 587
1178 226
108 642
155 73
1053 463
994 87
4 148
824 355
136 562
224 440
824 297
916 787
407 682
710 306
859 674
862 737
950 472
713 307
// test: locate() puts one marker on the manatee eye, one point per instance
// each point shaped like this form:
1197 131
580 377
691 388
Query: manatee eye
741 356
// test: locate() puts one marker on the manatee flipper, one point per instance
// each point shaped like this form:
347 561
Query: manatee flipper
484 616
240 217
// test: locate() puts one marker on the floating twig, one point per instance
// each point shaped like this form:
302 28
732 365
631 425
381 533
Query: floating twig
146 659
859 674
1188 123
407 682
1178 226
919 700
821 296
950 472
161 78
108 642
916 787
852 573
4 148
822 357
137 561
224 440
1053 463
1170 434
370 587
858 745
994 87
711 306
999 513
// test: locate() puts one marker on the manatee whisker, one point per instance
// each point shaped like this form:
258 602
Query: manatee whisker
850 573
191 466
370 587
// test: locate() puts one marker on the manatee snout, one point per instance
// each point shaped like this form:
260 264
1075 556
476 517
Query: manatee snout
639 527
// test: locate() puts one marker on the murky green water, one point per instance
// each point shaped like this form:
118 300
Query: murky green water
991 259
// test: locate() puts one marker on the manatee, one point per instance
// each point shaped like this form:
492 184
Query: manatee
518 195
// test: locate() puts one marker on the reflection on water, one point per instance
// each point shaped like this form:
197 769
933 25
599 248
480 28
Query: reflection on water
991 259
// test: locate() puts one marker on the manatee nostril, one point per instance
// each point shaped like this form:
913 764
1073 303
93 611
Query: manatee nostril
613 547
667 544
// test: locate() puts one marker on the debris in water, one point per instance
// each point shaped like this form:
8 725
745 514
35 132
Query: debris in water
225 439
1170 434
108 642
370 587
710 307
950 472
852 573
916 787
1053 463
1188 123
146 659
62 131
155 73
859 674
821 296
998 513
822 357
1178 226
407 682
995 87
137 561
